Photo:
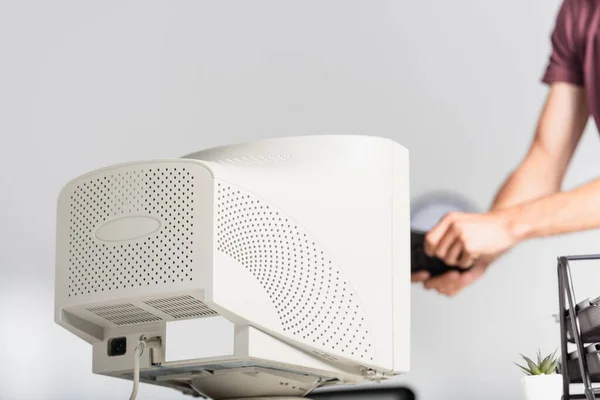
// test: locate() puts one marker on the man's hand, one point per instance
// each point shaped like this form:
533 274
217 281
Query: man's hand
461 239
450 283
468 241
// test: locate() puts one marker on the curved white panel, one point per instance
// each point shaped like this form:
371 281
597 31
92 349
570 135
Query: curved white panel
313 299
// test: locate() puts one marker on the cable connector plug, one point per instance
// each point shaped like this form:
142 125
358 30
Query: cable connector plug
154 343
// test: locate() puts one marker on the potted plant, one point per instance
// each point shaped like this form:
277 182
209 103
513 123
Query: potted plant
541 381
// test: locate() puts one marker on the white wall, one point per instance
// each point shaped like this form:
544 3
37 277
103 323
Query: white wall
87 84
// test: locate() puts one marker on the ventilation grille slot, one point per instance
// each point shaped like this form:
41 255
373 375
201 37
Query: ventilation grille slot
254 160
313 300
124 314
325 356
162 193
182 307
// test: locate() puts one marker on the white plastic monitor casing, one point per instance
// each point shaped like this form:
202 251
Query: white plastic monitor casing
302 243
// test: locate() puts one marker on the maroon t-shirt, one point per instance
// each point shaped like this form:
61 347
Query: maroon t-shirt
576 50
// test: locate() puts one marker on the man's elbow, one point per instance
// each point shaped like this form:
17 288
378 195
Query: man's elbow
543 167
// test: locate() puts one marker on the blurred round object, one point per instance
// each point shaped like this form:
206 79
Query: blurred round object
426 211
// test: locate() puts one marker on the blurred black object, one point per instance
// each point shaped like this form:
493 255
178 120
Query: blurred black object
375 394
422 262
426 212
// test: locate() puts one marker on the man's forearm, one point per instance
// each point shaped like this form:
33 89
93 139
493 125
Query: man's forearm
560 126
525 184
559 213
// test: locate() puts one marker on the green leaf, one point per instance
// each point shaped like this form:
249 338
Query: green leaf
528 372
553 363
553 367
539 357
545 365
535 370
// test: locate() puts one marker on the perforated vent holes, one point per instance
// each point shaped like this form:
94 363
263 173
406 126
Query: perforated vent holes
164 193
313 300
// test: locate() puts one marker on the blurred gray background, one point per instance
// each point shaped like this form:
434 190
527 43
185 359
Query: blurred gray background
88 84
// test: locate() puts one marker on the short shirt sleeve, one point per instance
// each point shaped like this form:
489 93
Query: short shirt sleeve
566 59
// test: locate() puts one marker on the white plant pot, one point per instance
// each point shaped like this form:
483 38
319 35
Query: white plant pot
543 387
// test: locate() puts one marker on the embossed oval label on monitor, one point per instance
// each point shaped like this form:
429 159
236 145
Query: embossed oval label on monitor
127 228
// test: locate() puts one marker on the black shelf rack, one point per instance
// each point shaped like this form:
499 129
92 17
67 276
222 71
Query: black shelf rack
574 367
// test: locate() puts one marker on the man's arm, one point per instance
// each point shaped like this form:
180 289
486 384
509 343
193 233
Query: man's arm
523 206
559 130
566 212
